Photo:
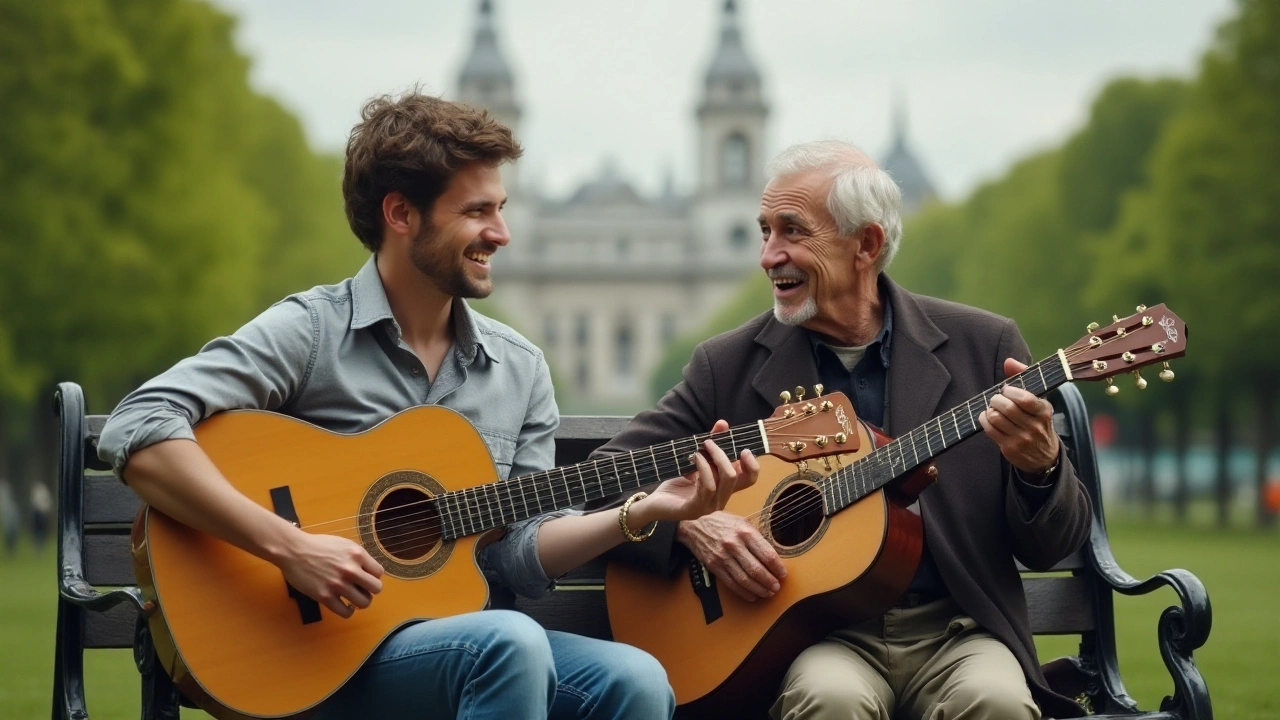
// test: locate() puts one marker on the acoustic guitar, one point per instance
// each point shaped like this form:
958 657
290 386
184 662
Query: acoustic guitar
421 494
845 533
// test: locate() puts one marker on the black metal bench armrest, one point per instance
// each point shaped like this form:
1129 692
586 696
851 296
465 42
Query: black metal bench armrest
75 589
1182 628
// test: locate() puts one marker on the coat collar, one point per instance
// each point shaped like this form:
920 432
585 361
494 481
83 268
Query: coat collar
917 378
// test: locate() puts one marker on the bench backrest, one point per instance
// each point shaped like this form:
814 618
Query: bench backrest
96 511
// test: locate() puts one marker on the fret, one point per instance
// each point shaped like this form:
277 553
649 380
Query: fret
635 476
653 460
942 434
927 444
524 500
956 422
1040 369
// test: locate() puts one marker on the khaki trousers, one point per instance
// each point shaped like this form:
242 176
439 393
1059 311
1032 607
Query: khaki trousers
924 662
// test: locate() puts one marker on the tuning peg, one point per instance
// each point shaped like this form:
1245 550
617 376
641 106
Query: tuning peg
817 390
799 393
1166 374
786 397
1091 327
1142 308
1115 318
1112 390
1140 381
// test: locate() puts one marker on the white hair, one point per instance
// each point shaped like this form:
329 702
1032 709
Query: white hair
861 193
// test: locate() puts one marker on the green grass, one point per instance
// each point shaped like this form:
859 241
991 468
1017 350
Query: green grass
1241 569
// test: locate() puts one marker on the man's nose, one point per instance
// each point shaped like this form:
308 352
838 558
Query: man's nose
772 253
498 233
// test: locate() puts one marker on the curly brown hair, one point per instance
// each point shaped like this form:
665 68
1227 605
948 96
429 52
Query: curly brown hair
413 145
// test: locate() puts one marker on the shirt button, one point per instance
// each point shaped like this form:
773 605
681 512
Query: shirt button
862 383
414 370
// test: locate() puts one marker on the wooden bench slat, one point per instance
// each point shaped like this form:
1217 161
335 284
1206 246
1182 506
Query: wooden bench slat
111 629
1059 605
107 561
108 501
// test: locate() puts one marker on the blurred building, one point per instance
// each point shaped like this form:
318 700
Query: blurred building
603 281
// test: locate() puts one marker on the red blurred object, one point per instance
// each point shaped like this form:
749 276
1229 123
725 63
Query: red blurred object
1271 496
1104 430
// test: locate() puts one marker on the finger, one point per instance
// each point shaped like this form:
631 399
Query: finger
750 470
1025 400
765 553
1013 367
726 474
356 597
745 578
1007 415
371 566
704 477
338 607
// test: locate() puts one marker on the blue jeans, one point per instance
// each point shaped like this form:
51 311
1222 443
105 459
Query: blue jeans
501 665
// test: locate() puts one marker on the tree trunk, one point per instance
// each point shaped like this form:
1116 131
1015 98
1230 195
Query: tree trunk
1181 398
1223 438
1265 397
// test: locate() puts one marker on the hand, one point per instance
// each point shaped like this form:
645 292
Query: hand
702 491
1021 424
736 553
333 571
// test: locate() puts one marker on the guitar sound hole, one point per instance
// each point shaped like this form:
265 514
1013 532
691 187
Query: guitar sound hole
796 514
407 524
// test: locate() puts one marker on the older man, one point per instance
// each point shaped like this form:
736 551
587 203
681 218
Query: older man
958 644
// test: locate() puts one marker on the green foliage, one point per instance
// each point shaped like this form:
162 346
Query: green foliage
152 199
752 298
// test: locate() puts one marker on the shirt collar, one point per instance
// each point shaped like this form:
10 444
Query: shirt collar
369 306
883 340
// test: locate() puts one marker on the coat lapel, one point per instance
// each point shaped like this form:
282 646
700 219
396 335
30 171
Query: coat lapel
917 378
790 362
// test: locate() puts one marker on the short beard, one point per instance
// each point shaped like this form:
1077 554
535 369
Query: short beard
798 316
447 273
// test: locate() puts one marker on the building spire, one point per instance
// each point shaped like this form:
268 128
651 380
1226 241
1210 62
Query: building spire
731 63
485 66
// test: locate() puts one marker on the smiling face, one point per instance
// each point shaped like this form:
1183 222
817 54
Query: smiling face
464 229
812 266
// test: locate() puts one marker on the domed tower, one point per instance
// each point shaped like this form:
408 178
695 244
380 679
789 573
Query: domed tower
486 81
731 128
904 168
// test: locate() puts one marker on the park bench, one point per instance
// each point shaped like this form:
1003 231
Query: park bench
99 608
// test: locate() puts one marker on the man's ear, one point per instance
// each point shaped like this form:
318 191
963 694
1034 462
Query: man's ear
399 216
870 244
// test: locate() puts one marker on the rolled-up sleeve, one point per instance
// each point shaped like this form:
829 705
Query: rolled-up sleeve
261 366
513 561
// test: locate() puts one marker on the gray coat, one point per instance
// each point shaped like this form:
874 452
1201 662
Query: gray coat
976 521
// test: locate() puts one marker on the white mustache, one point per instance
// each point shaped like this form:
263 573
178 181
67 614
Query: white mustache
787 273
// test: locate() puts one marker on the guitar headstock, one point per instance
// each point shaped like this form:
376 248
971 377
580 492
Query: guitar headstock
804 429
1151 335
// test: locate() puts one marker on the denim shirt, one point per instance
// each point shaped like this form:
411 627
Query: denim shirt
334 357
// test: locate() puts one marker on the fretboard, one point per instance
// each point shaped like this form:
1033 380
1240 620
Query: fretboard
898 457
484 507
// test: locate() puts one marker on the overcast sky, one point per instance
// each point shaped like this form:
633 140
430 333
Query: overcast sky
985 81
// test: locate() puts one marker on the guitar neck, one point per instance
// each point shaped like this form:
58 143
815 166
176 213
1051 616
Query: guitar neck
899 457
476 509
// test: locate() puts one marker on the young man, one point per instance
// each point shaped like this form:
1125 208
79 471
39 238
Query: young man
958 644
424 194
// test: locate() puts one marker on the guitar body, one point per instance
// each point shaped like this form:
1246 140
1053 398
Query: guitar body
725 656
227 629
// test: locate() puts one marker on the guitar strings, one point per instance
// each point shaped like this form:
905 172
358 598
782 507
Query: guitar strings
788 512
665 466
413 521
783 514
